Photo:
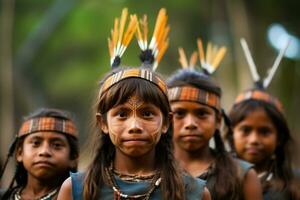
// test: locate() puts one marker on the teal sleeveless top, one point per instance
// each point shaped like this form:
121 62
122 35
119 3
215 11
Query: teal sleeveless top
210 176
193 188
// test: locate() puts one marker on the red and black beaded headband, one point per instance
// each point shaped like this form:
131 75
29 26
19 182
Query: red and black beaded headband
150 56
209 64
42 124
259 92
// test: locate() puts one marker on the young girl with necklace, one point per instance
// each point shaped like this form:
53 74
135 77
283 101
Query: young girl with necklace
133 158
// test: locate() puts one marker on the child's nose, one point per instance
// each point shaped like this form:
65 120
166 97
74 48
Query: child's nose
135 126
253 137
190 122
45 150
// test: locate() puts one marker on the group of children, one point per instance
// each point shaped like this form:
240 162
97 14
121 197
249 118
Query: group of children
153 136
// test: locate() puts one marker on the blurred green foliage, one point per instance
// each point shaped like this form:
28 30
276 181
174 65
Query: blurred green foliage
65 69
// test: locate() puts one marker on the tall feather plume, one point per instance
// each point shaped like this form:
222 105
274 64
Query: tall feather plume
250 61
183 59
274 68
213 58
153 52
193 59
120 39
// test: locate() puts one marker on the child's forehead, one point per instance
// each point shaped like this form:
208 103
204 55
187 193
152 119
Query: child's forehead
47 135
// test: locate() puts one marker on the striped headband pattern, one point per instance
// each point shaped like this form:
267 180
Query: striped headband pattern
187 93
260 96
42 124
133 73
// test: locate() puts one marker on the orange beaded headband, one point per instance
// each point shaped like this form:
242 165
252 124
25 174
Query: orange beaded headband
187 93
145 74
42 124
260 96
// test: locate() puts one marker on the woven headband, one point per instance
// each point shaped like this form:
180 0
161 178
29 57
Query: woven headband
260 96
42 124
187 93
133 73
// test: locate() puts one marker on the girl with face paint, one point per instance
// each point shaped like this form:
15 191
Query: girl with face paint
133 158
134 154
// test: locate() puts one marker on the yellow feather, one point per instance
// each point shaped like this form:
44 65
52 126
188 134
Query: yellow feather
193 59
130 30
220 55
208 53
122 23
115 32
201 51
138 33
145 25
159 19
110 47
162 51
182 58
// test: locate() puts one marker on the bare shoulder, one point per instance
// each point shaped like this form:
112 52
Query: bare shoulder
206 194
65 192
252 187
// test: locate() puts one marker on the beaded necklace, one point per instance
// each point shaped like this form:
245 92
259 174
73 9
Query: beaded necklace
119 195
48 196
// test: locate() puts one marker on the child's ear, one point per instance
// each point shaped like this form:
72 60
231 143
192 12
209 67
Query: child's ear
102 123
19 154
167 123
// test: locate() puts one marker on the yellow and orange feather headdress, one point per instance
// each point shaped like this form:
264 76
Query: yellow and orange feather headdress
151 55
209 64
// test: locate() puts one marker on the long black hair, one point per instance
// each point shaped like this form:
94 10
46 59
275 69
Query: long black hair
227 183
282 164
172 184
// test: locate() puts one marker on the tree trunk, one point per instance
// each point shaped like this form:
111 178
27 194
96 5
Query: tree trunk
6 79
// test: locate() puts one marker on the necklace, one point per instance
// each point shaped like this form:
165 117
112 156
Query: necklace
134 177
265 176
48 196
119 195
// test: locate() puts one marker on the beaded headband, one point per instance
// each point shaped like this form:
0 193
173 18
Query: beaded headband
260 96
150 56
187 93
42 124
145 74
259 93
209 64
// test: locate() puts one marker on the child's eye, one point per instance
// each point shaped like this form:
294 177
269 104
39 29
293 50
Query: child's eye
57 145
265 131
179 113
122 114
245 130
35 143
202 113
147 114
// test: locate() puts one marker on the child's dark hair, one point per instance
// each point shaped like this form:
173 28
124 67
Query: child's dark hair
172 184
20 176
282 167
227 183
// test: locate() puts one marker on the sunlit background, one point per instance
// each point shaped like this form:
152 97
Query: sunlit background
54 52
